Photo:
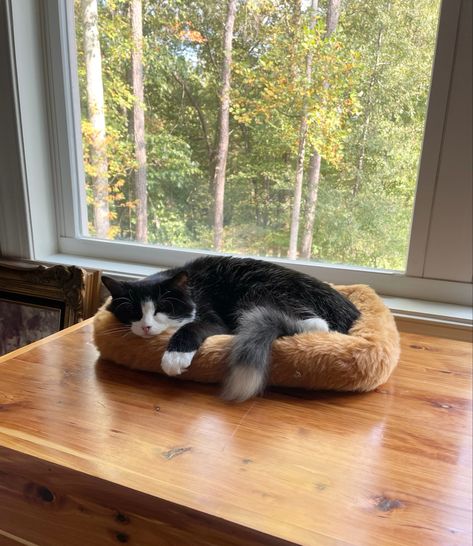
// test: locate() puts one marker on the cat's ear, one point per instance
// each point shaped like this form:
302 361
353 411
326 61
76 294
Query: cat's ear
180 280
116 288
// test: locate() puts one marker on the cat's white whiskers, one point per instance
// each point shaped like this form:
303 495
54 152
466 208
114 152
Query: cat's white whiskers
173 299
116 330
173 310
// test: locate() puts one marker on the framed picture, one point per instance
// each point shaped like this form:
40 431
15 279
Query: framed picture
37 300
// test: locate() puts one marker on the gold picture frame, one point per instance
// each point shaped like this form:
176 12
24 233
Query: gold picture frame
39 299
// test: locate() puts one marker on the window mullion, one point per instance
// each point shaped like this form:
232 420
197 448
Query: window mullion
433 136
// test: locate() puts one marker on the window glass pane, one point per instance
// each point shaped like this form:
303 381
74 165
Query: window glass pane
264 127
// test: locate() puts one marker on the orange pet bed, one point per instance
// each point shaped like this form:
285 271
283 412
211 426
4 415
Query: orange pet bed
360 361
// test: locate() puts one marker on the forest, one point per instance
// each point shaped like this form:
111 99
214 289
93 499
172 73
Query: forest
284 128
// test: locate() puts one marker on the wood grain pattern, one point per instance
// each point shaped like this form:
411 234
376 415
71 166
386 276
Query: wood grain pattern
104 455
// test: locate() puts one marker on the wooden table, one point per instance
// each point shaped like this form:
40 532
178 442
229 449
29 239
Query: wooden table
93 454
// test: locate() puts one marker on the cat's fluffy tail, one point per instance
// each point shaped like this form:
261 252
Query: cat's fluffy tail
251 351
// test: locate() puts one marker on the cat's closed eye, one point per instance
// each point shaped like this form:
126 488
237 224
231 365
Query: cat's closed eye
123 304
164 306
126 310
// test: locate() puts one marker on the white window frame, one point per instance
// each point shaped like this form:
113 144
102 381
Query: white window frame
45 91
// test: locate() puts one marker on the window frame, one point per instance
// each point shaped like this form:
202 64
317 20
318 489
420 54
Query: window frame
57 187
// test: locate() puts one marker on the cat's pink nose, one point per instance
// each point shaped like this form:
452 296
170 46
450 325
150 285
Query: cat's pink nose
146 329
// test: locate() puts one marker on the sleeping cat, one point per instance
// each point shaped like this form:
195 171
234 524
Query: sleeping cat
257 300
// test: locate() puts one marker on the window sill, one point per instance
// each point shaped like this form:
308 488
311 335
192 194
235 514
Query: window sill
124 270
432 318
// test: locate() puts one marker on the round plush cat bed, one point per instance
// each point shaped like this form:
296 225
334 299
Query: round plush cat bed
359 361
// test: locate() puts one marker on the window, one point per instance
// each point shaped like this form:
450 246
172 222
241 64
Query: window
326 110
45 213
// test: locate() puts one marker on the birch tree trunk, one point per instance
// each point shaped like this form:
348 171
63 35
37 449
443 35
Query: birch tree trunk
96 114
333 15
139 122
223 126
312 194
296 205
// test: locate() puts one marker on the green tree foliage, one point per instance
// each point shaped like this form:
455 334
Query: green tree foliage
366 108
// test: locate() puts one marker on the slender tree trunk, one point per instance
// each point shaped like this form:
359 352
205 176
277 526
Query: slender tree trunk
139 122
333 15
294 28
223 128
296 205
95 106
369 107
313 190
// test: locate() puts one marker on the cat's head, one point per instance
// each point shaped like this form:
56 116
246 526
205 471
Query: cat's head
153 305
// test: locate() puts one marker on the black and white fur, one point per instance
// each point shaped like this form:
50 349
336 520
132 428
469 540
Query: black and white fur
258 301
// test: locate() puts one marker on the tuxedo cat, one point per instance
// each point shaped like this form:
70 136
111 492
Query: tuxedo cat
258 301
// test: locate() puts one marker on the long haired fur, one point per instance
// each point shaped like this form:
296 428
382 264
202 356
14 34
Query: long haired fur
358 362
251 350
258 301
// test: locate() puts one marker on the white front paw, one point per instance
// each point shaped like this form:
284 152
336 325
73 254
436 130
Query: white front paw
175 363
